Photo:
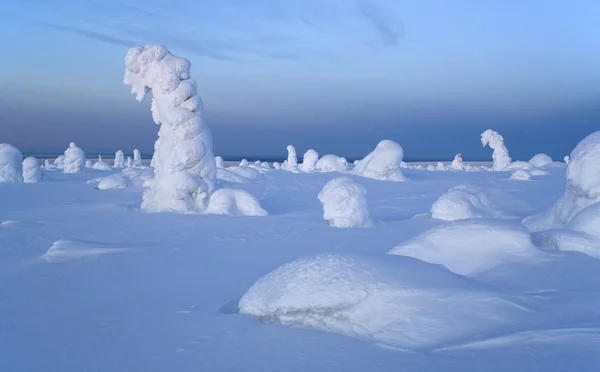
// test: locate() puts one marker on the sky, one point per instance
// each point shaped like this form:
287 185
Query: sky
334 75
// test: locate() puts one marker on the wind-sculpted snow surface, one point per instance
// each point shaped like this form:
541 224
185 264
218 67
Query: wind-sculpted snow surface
471 247
521 175
309 161
66 250
540 160
31 170
496 143
332 163
185 169
475 201
11 167
396 301
383 163
234 202
74 161
344 203
129 177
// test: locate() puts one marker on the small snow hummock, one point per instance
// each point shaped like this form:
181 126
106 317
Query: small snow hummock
521 175
332 163
471 247
31 170
344 203
101 164
67 250
11 166
74 159
291 163
137 158
383 163
219 162
184 163
257 163
119 161
496 142
309 161
114 181
396 301
234 202
540 160
244 163
59 162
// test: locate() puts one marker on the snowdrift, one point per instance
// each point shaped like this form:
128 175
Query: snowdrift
67 250
234 202
383 163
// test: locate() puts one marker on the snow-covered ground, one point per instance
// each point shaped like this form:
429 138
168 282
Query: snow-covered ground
89 282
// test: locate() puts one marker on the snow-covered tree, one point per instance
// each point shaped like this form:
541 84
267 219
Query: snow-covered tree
219 162
137 158
496 143
332 163
11 168
567 159
276 165
309 161
292 159
257 163
31 170
383 163
185 168
265 164
129 163
344 203
59 162
89 163
457 163
74 159
244 163
119 161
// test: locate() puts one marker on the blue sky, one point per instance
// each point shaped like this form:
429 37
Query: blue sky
336 75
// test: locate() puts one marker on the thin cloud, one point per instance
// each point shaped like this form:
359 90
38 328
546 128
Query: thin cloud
94 35
390 35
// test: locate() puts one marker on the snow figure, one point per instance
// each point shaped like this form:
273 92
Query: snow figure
219 162
137 158
457 163
292 159
119 161
309 161
59 162
244 163
11 166
567 159
496 142
344 203
89 163
383 163
74 159
185 168
129 163
332 163
31 170
276 165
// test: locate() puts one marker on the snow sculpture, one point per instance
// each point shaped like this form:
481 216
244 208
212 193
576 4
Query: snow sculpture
309 161
292 159
137 158
119 161
11 166
457 163
185 168
344 203
219 162
244 163
500 154
540 160
59 162
31 170
74 159
332 163
234 202
383 163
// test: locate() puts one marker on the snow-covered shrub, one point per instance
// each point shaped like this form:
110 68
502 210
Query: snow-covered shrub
344 203
383 163
137 158
396 301
89 163
276 165
257 163
457 163
540 160
59 162
476 201
234 202
471 247
74 159
291 163
49 164
521 175
309 161
31 170
219 162
332 163
440 166
11 166
101 164
496 142
244 163
119 161
185 169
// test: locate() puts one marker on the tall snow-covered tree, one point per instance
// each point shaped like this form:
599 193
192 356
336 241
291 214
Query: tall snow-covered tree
496 142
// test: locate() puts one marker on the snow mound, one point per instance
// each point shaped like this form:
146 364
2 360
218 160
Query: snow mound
129 177
101 165
265 164
49 164
496 143
114 181
383 163
540 160
74 160
234 202
11 166
344 203
89 163
521 175
332 163
31 170
129 162
398 301
248 173
309 161
276 165
244 163
476 201
66 250
471 247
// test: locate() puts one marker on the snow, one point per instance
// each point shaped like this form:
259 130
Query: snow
219 162
185 168
11 168
48 164
119 161
496 143
234 202
101 165
383 163
471 247
291 163
114 181
129 163
520 175
63 251
74 160
309 161
540 160
89 163
332 163
137 158
344 203
31 170
276 165
60 162
457 163
244 163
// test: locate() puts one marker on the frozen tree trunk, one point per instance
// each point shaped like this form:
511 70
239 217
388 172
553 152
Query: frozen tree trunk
496 142
184 164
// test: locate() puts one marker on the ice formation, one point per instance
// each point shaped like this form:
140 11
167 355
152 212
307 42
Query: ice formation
101 164
471 247
344 203
457 163
137 158
397 301
496 142
219 162
521 175
119 161
332 163
60 162
234 202
185 169
74 159
292 159
475 201
11 166
31 170
309 161
540 160
383 163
